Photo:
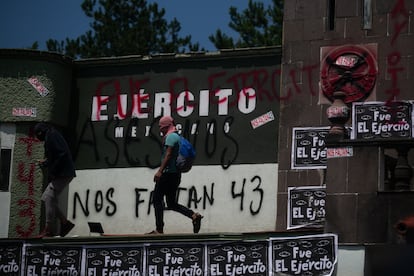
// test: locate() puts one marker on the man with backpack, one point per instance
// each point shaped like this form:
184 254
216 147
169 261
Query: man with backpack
168 178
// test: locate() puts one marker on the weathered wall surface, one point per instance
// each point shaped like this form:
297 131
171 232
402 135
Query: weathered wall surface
34 86
240 199
226 106
322 34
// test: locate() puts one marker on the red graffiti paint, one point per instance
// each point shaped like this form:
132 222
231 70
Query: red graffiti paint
399 20
292 74
275 76
26 207
400 17
223 89
29 141
174 94
215 89
351 69
25 175
136 88
292 82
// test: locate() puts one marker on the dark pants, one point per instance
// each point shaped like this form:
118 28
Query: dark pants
167 186
50 198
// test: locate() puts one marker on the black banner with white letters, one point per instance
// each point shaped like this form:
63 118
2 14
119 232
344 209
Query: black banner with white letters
175 259
226 111
307 255
379 120
10 258
308 147
53 260
117 260
299 255
237 258
306 206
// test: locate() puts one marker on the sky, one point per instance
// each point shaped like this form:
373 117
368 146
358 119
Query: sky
23 22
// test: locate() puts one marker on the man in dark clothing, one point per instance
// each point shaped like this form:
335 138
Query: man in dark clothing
168 178
61 171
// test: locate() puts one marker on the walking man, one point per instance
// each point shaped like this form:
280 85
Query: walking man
61 171
168 178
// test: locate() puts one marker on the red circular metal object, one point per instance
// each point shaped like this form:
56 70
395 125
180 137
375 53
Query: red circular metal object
351 69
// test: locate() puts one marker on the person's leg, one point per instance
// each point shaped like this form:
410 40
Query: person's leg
65 225
174 180
58 185
49 199
196 219
159 191
52 204
172 202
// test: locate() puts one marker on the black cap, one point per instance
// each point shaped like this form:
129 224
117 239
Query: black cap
40 130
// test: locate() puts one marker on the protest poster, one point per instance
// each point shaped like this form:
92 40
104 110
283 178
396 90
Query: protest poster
38 85
175 259
115 260
306 206
382 120
308 148
10 258
52 260
237 258
304 255
339 152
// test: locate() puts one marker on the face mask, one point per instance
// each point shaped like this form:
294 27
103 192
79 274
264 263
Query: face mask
40 131
41 135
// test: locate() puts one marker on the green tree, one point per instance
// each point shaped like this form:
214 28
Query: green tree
256 26
34 46
124 27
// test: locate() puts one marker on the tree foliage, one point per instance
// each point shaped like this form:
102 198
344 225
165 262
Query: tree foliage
256 26
124 27
136 27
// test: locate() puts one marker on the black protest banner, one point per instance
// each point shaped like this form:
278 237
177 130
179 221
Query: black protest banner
114 260
227 112
306 206
305 255
175 259
382 120
238 258
308 148
10 258
52 260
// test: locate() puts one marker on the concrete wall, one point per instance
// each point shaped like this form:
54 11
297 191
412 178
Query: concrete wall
120 199
34 86
226 104
353 206
357 209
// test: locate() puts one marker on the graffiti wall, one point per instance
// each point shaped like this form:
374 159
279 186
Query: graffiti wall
238 199
226 110
34 86
25 204
302 255
229 115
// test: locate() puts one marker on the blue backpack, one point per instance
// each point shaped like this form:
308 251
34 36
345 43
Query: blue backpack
186 155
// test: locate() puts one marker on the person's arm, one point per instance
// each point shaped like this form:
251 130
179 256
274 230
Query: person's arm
57 148
164 163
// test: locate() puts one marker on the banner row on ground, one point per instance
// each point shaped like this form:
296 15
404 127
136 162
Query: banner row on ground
302 255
